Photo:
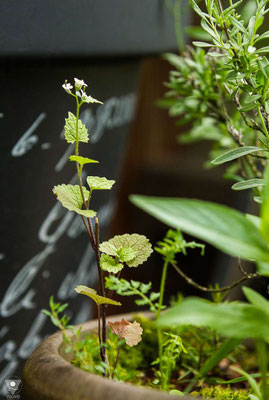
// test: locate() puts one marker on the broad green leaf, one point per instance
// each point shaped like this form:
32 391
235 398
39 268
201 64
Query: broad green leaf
139 243
97 183
248 184
256 299
234 154
198 312
81 289
265 206
109 264
70 197
82 160
70 133
263 268
126 254
226 229
255 220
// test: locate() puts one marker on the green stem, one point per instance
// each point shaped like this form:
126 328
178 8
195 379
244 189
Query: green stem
116 362
158 313
263 123
101 288
263 362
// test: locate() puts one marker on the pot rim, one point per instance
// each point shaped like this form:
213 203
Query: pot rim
48 376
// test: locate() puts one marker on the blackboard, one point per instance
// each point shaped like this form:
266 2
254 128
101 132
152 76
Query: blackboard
43 247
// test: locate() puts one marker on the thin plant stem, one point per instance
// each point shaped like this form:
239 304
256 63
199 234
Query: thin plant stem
245 277
158 313
101 287
99 329
116 362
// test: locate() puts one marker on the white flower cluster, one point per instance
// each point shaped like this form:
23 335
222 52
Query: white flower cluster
80 90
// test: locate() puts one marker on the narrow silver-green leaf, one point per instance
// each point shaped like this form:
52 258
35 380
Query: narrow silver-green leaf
202 44
248 184
234 154
226 229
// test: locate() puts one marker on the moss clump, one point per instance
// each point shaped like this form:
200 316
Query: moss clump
223 393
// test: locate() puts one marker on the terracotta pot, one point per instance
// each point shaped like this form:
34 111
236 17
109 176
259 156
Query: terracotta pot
48 375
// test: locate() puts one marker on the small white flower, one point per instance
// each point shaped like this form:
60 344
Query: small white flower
79 83
89 99
251 49
67 87
78 93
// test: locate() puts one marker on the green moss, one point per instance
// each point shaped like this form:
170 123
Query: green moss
222 393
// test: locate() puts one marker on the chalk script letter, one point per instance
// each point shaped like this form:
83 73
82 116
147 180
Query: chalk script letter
12 301
26 142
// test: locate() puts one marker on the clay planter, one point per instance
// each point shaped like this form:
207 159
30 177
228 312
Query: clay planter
48 375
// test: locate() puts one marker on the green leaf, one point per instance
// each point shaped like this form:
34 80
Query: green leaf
138 243
265 206
196 8
70 130
97 183
263 268
176 392
256 298
89 99
263 50
70 197
202 44
234 154
239 25
198 312
82 160
225 228
46 312
126 254
81 289
109 264
236 380
225 349
253 384
248 184
257 199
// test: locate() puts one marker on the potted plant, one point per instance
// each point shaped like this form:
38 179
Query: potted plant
196 345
